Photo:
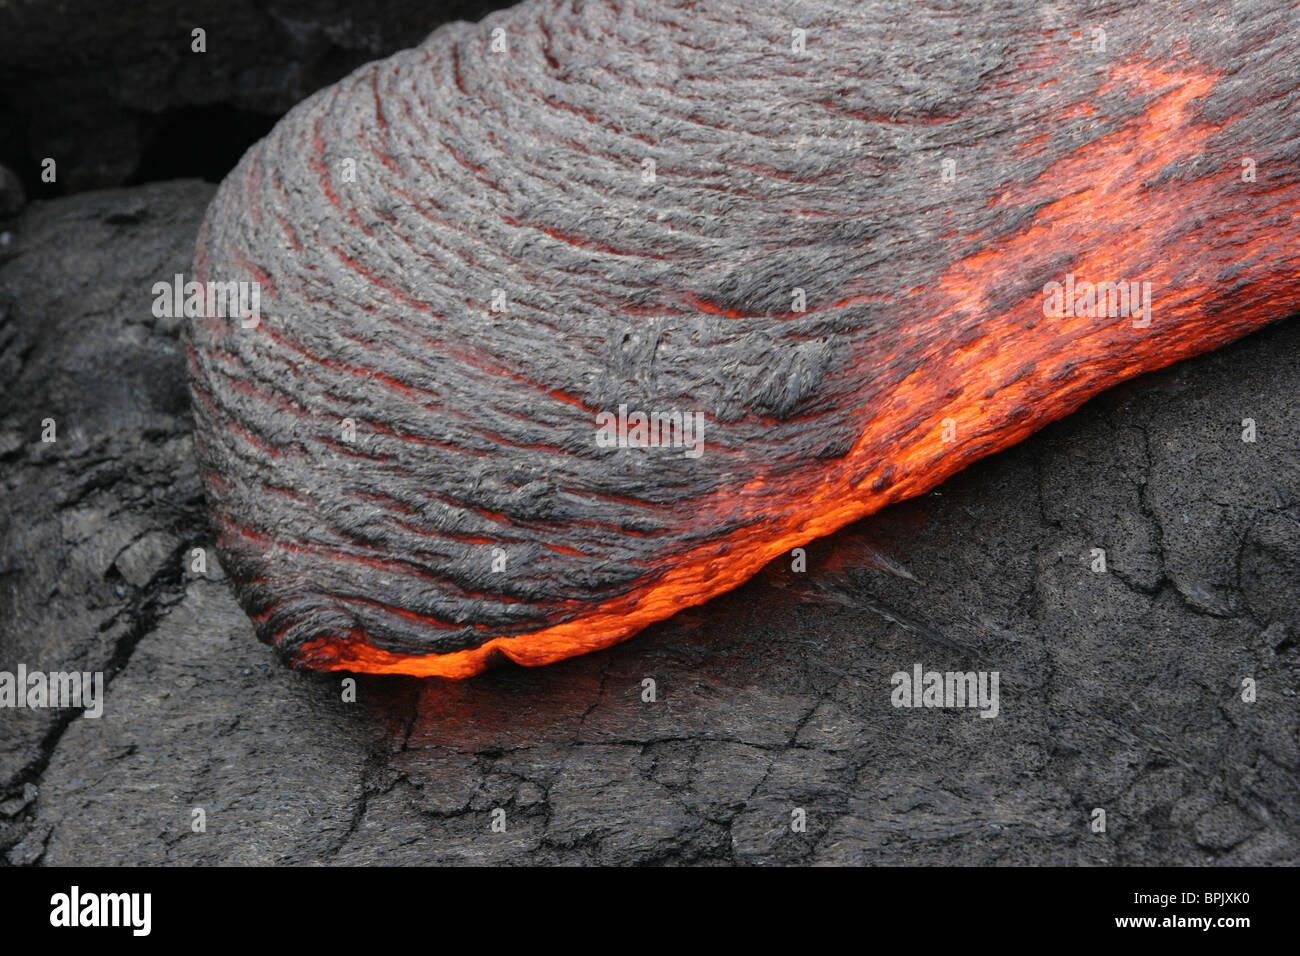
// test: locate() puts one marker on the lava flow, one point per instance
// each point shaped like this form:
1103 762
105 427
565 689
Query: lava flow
467 262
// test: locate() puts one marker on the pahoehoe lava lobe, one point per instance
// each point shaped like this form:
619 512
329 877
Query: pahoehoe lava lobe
470 250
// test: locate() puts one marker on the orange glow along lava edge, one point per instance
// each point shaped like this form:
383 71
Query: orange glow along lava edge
472 516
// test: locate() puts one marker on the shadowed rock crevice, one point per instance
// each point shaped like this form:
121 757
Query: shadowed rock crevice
114 93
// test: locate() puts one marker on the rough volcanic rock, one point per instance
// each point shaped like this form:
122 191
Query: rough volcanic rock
1120 690
93 524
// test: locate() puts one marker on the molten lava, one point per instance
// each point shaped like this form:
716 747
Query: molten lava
925 343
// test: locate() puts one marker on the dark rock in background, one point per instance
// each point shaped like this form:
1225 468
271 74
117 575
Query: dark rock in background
12 197
115 95
1119 690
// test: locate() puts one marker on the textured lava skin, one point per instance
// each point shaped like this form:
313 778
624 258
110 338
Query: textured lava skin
687 213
